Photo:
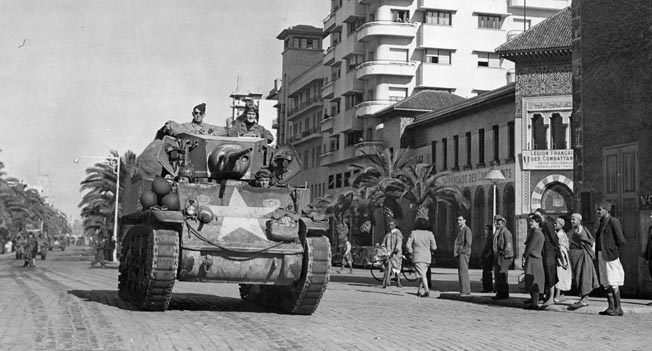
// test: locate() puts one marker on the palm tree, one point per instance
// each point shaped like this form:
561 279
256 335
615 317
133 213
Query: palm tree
426 186
338 206
99 188
383 176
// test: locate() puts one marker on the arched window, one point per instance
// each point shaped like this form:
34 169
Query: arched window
538 133
558 132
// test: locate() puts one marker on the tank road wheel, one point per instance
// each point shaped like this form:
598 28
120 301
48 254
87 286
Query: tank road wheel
304 295
148 267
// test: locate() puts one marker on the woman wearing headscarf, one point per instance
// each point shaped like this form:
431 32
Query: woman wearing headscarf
582 255
563 265
533 263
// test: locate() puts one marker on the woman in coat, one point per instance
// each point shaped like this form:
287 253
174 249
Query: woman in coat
563 265
533 265
420 244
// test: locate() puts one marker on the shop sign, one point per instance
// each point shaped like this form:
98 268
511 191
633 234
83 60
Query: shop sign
547 159
476 177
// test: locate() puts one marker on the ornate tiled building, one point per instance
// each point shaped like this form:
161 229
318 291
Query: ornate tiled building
543 114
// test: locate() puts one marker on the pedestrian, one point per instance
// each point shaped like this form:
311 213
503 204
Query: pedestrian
647 254
503 256
487 260
608 241
582 255
31 250
420 245
563 265
463 253
393 242
347 257
98 248
550 256
533 262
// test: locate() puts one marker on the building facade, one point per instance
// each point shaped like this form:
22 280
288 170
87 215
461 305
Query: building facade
612 76
543 114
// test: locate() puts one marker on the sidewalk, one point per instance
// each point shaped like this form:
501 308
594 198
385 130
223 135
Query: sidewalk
445 286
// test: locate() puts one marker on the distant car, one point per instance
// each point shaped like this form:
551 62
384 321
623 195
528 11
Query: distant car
57 244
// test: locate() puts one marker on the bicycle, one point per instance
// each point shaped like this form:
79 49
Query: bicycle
407 269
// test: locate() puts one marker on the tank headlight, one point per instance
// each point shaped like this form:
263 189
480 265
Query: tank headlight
205 215
191 208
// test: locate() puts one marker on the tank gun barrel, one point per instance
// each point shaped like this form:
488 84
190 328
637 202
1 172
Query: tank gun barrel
232 156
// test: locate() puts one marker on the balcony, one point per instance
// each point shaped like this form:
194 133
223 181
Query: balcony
329 56
386 68
326 158
327 124
306 135
368 108
436 75
309 103
369 147
275 123
328 90
329 22
540 4
387 28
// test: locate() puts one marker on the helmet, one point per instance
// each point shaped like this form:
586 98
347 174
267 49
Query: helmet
187 172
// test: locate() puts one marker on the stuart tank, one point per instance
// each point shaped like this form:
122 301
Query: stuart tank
198 213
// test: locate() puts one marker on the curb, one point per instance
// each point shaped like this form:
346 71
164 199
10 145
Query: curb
517 301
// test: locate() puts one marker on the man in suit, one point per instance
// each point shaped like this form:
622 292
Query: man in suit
463 253
503 254
608 241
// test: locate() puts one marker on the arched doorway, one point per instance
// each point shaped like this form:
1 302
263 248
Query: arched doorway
554 195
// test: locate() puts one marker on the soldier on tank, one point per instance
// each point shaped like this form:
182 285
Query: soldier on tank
247 125
196 126
263 178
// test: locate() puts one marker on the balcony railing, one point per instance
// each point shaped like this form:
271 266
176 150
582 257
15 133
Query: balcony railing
309 102
387 28
329 56
327 124
329 21
369 147
328 90
368 108
387 68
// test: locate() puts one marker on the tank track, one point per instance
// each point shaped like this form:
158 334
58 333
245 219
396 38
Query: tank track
304 295
148 267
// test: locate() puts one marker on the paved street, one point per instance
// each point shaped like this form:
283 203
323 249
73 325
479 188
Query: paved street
63 305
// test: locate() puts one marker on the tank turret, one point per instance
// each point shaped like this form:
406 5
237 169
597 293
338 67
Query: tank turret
229 161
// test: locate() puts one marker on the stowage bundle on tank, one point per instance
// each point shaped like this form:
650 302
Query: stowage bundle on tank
208 208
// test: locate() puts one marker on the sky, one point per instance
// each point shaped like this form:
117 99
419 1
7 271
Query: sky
81 78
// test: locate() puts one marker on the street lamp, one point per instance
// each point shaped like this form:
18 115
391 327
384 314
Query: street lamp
494 175
113 162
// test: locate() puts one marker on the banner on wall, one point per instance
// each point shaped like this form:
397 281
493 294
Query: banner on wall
547 159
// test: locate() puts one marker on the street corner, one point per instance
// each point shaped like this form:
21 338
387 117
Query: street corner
518 301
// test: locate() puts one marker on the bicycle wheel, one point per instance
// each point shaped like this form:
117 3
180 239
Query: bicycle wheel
378 270
409 273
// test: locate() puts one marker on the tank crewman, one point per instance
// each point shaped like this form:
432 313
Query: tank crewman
264 178
247 125
196 126
280 170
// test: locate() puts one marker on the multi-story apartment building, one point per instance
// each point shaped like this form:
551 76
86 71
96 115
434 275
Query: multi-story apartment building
301 114
382 51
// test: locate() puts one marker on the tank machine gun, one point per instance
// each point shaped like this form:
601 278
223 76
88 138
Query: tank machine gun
207 222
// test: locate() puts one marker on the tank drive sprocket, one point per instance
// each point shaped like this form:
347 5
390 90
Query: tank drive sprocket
148 267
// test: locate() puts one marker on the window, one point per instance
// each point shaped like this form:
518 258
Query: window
538 133
433 150
481 147
444 144
335 107
353 26
519 23
468 149
331 181
488 59
456 151
557 132
306 160
347 176
397 94
400 15
438 17
336 72
440 56
336 37
353 138
370 134
512 140
338 180
354 61
496 132
352 100
398 54
305 43
489 21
